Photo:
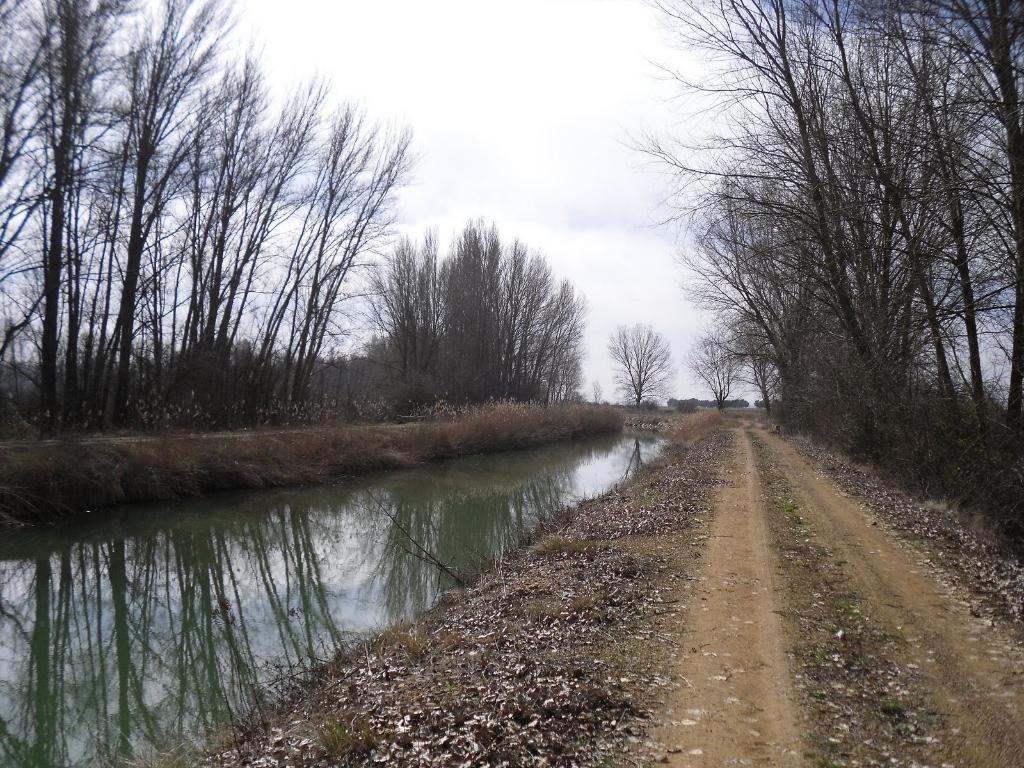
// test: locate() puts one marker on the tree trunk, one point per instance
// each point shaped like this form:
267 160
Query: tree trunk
126 312
52 270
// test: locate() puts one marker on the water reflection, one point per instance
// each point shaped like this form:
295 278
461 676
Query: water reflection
143 627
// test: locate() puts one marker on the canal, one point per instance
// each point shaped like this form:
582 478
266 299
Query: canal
137 629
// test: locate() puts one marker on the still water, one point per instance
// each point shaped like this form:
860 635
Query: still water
141 628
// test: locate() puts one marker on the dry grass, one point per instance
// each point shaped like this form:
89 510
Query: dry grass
559 545
346 739
411 639
690 427
681 428
512 425
42 482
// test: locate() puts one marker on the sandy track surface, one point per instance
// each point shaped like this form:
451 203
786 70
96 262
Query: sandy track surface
972 670
735 705
736 701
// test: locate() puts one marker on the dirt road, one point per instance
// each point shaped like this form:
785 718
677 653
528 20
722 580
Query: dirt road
744 697
736 701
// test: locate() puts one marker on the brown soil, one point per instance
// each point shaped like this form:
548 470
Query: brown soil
735 703
865 703
972 669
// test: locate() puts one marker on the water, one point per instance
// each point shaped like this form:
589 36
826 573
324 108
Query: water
145 627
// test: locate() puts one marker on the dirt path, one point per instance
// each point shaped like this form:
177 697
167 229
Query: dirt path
737 702
735 705
973 673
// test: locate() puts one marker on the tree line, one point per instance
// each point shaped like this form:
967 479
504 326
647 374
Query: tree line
691 404
488 320
859 230
172 237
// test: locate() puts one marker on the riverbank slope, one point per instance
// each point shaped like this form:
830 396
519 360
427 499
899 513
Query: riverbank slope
550 658
44 482
732 604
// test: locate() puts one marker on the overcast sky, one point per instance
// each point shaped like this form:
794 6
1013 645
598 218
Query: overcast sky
522 113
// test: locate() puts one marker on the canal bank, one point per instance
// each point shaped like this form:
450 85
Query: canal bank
551 657
50 480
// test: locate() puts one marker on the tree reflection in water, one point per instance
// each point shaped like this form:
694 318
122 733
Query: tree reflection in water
144 627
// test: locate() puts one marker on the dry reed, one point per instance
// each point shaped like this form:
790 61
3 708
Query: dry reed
39 483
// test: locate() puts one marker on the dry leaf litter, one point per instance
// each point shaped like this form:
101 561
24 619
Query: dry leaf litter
541 662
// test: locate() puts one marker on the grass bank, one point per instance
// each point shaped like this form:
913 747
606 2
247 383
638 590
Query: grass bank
41 483
552 656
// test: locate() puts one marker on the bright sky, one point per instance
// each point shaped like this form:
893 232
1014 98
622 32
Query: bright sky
522 113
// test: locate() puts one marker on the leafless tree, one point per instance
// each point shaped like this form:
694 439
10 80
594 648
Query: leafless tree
489 321
713 362
74 48
165 71
643 362
859 217
173 239
349 210
242 178
21 59
407 306
755 362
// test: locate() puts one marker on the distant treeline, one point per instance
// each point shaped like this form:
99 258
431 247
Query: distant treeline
487 321
692 404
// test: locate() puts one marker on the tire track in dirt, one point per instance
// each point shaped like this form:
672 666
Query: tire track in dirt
735 705
973 672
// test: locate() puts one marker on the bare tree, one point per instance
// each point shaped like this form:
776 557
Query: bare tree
714 363
755 360
20 185
242 172
859 217
21 59
407 306
74 48
165 72
185 244
643 362
348 211
487 321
